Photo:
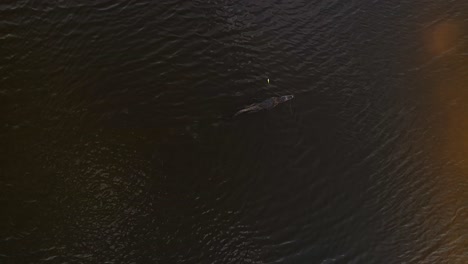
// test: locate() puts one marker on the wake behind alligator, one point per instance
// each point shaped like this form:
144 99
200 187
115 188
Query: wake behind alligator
265 105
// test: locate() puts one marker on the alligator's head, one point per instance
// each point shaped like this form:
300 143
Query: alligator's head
285 98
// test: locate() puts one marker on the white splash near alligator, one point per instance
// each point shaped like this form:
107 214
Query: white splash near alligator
265 105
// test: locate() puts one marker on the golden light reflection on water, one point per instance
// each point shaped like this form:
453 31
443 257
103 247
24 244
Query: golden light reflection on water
442 37
448 81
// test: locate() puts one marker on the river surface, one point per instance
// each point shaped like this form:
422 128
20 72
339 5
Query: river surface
118 142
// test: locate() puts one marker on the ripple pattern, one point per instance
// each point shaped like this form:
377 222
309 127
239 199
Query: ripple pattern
119 146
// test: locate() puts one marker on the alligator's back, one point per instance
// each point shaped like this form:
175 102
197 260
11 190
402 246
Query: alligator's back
265 105
268 103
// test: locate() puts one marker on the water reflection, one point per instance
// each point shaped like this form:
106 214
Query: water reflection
447 80
443 36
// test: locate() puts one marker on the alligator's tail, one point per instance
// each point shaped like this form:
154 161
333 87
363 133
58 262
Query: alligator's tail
246 110
242 111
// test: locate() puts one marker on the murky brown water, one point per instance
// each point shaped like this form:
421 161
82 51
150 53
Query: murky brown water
119 146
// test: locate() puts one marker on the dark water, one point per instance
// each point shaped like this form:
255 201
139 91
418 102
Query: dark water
119 146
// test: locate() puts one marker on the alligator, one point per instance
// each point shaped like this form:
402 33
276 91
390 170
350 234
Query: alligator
265 105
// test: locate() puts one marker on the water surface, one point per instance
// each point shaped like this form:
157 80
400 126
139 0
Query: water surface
119 146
